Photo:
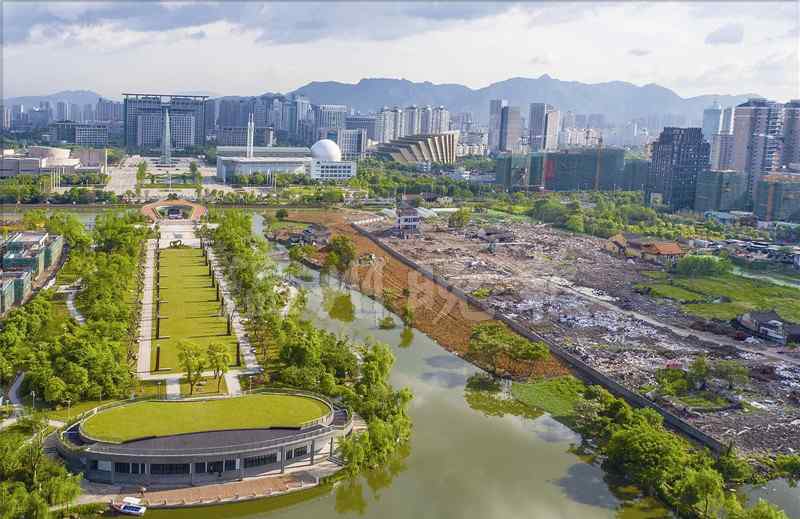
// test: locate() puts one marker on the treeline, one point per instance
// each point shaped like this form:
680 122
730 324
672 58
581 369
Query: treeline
636 446
307 357
29 189
65 361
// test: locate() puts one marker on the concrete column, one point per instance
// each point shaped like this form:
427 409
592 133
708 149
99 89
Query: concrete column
313 448
283 459
240 462
191 474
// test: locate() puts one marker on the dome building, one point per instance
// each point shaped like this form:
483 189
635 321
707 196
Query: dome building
327 164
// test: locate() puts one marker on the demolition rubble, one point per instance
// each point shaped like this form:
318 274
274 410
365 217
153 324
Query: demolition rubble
575 293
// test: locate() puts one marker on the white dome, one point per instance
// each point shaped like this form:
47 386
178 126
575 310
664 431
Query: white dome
326 149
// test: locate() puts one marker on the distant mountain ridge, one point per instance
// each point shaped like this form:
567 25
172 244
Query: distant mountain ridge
618 100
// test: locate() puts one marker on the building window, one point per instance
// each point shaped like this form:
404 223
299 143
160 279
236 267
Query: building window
122 468
230 465
168 469
289 454
200 468
134 468
215 466
301 451
92 464
259 461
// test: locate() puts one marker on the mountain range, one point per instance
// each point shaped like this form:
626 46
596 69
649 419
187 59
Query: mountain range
618 100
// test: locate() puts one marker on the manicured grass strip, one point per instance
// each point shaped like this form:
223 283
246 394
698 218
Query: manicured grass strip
207 386
557 396
162 418
191 307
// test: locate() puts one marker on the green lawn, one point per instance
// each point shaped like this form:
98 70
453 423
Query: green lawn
557 396
703 400
164 418
741 294
191 307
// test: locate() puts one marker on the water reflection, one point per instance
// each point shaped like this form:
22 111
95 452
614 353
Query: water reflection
338 304
406 337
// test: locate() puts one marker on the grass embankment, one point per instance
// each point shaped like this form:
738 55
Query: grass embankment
161 418
191 308
738 295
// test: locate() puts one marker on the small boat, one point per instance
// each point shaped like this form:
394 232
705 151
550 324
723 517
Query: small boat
130 506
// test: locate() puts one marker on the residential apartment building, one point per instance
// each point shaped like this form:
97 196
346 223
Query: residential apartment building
678 157
757 134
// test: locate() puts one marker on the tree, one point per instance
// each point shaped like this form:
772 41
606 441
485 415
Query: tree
193 360
218 360
761 510
732 371
701 492
698 371
459 219
281 214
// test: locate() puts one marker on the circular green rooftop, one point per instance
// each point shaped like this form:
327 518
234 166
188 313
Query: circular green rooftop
164 418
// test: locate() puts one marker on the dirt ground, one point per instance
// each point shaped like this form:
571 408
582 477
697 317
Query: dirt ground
438 313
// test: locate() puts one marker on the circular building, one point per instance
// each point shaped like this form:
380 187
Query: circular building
326 150
197 441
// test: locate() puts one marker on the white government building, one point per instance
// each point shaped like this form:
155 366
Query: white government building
322 162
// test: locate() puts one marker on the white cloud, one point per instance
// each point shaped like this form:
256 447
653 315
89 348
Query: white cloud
730 33
249 48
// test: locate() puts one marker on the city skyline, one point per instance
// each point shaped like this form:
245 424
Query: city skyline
737 48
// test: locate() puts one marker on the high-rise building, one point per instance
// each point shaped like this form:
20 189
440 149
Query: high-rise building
238 135
62 111
462 122
440 120
578 170
362 122
791 133
722 151
720 190
330 117
537 125
510 129
6 117
712 121
91 135
145 118
210 112
75 113
495 118
778 198
389 124
679 156
726 125
568 121
411 120
757 134
107 110
426 120
580 121
352 143
88 113
552 129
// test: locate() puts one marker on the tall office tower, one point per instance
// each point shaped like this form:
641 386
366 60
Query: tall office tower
301 115
552 129
726 126
411 120
757 132
330 117
75 113
6 117
712 121
568 121
166 138
104 110
274 107
537 125
210 110
228 113
679 155
144 120
88 113
440 120
791 133
722 151
61 111
426 120
352 143
510 129
361 122
495 118
596 121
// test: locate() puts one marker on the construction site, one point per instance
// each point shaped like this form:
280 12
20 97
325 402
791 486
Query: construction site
573 292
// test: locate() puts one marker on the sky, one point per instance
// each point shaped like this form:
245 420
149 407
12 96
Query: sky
248 48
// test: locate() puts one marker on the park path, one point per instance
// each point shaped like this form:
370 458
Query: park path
146 323
72 292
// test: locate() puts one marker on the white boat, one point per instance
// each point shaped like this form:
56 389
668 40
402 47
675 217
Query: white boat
130 506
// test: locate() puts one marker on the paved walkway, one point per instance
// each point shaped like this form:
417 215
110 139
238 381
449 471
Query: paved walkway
73 310
146 323
16 402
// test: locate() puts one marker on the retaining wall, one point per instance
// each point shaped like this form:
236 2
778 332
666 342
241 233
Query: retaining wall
584 370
